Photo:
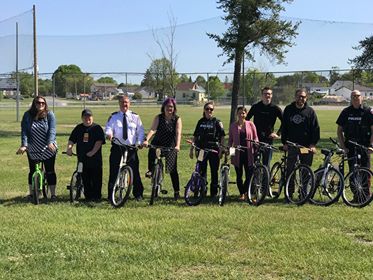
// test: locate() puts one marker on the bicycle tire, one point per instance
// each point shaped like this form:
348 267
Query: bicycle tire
122 187
194 190
330 192
354 194
36 181
301 181
224 180
75 186
156 181
258 185
275 181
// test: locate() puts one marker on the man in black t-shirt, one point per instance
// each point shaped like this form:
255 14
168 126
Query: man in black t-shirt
355 123
89 137
265 115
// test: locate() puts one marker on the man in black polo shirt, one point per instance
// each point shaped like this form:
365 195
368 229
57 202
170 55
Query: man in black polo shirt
265 115
355 123
89 137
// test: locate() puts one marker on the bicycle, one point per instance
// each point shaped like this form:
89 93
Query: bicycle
259 180
76 187
300 184
123 183
196 187
157 174
278 176
38 182
357 191
225 171
329 181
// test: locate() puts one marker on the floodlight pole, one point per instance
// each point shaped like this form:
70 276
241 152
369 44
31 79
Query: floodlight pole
36 88
17 75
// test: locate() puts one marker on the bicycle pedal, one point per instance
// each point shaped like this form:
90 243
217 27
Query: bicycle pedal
164 191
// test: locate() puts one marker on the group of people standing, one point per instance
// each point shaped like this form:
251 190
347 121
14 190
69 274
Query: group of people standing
299 124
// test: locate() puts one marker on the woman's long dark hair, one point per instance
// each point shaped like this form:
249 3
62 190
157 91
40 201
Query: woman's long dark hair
35 114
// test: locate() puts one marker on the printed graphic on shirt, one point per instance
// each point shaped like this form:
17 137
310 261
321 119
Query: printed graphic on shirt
297 119
86 137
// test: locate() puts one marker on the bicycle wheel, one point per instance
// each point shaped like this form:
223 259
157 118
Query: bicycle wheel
75 187
328 191
194 190
300 185
275 182
156 182
258 185
122 187
224 180
357 191
36 181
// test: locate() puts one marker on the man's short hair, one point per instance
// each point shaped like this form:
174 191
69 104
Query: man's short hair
266 88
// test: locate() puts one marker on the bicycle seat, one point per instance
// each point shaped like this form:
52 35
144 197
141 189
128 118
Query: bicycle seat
325 152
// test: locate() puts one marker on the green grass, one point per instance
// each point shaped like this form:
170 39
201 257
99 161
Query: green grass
170 240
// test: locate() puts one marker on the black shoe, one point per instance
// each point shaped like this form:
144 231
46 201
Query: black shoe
139 198
176 196
53 198
29 197
148 174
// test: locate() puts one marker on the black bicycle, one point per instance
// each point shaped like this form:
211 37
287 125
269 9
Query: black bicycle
357 191
300 184
278 176
76 187
260 178
158 172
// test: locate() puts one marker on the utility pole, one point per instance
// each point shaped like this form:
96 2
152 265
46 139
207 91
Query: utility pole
36 89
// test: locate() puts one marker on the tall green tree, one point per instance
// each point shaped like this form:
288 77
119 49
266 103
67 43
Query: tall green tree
215 87
253 24
365 59
69 78
158 78
107 80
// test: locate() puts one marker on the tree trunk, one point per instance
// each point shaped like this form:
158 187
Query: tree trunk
236 85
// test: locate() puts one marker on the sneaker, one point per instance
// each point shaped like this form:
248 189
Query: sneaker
176 196
139 198
29 197
53 198
148 174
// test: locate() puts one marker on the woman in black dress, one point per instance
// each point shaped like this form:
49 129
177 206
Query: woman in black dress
166 129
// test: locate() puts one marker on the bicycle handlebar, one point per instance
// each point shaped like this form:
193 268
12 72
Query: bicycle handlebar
120 143
297 145
262 144
358 145
198 148
165 149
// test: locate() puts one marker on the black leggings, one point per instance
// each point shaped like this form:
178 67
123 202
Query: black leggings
49 170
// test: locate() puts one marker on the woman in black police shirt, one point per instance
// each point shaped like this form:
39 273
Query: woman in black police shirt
209 130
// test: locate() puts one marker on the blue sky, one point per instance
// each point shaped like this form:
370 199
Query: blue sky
78 32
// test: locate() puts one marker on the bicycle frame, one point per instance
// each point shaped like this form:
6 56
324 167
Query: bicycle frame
39 170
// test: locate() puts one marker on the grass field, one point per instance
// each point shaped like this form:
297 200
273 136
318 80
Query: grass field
170 240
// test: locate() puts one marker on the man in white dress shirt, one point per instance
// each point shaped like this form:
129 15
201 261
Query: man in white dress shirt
126 126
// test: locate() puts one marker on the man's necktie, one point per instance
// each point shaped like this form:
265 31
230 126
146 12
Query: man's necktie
124 127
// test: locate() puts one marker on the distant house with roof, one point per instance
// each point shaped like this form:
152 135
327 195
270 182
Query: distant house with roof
104 90
8 87
186 92
344 89
316 88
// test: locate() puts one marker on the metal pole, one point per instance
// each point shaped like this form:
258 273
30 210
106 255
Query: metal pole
17 75
208 87
54 88
243 79
36 87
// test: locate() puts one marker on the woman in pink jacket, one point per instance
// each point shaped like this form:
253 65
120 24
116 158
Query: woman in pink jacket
239 132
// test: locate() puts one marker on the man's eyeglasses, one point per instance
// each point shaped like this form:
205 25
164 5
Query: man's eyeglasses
302 96
355 96
209 109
